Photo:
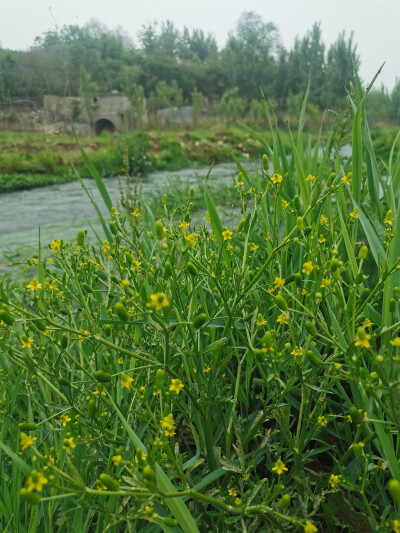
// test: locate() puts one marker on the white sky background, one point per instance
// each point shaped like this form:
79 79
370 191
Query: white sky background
375 23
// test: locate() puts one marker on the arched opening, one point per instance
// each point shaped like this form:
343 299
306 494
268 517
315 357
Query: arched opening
104 124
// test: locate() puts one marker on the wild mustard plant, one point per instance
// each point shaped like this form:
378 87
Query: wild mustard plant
210 377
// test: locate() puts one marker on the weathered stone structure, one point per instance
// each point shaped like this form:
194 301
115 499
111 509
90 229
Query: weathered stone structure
111 112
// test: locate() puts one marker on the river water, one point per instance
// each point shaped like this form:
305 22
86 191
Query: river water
60 210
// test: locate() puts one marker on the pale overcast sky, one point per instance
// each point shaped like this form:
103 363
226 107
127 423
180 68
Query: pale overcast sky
375 23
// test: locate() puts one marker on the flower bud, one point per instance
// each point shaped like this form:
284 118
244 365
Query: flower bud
357 450
167 269
80 238
394 489
109 482
170 521
314 359
107 329
192 269
241 224
265 162
281 302
362 254
334 265
392 305
26 426
159 230
91 409
199 320
191 192
396 293
284 501
113 227
159 379
296 202
330 179
148 473
310 327
121 311
299 223
164 199
103 377
267 339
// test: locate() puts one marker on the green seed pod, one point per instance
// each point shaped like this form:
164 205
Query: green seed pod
170 521
265 162
267 339
314 359
280 302
362 254
6 317
361 333
129 258
164 199
31 497
334 265
26 426
91 409
62 381
199 320
87 287
284 502
356 415
364 295
191 192
167 269
159 230
298 280
299 223
80 238
190 267
148 473
396 293
113 227
241 224
260 355
296 202
121 311
394 489
114 279
357 450
107 329
269 186
392 305
310 327
109 482
64 341
103 377
160 379
307 230
330 179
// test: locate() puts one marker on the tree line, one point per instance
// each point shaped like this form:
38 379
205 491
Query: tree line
171 68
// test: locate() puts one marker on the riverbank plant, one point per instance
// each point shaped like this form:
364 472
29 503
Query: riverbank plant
198 377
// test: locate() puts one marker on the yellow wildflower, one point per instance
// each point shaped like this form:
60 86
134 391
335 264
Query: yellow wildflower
27 342
322 421
136 213
321 239
126 380
150 514
117 459
282 319
261 320
323 220
55 245
285 204
183 225
227 235
36 481
347 179
334 481
310 177
309 527
135 265
307 267
206 369
279 467
296 351
114 212
191 239
232 492
325 283
246 476
363 341
354 213
159 300
395 342
279 282
168 424
176 385
26 441
253 247
100 390
396 526
276 178
64 419
69 444
367 323
34 285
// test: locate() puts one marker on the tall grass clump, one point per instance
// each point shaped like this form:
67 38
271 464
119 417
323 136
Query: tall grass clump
197 377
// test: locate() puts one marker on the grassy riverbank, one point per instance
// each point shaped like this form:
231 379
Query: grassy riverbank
34 159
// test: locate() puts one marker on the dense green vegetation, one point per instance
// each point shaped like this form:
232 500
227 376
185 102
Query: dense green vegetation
192 377
171 68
